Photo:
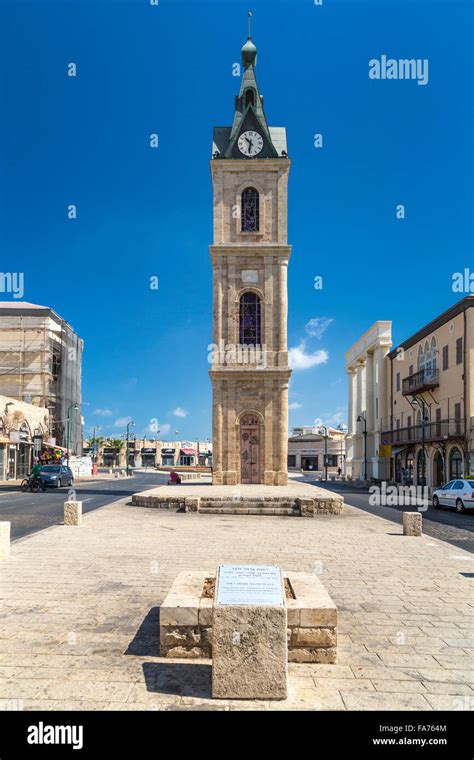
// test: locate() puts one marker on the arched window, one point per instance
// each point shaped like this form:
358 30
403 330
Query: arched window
250 320
250 210
249 98
434 353
455 464
421 358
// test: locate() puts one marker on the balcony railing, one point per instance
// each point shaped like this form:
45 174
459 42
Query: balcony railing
441 430
424 380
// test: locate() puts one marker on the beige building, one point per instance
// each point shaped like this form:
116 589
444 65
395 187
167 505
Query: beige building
40 364
152 453
249 256
24 430
315 448
426 430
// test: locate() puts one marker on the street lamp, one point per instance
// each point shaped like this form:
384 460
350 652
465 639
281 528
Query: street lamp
325 451
421 403
343 429
361 418
129 425
75 407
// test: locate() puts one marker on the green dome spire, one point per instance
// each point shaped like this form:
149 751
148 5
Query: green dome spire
249 51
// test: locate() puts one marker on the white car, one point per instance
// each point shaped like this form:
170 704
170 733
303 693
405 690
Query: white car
457 493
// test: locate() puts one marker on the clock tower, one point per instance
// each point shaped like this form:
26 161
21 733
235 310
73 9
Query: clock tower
250 254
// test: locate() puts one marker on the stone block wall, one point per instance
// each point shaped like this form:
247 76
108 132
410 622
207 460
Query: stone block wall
186 619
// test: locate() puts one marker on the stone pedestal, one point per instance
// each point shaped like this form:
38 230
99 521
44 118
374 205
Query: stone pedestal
192 505
72 512
4 540
249 652
412 524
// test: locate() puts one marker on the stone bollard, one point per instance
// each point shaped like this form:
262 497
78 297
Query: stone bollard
412 524
4 540
72 512
192 504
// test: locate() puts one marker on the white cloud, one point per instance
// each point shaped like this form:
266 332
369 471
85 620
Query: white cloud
102 412
300 358
122 421
158 429
317 327
333 420
179 412
338 418
295 405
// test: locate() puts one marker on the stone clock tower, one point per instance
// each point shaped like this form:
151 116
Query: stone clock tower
250 254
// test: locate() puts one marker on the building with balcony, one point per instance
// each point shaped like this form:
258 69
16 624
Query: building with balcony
430 425
426 430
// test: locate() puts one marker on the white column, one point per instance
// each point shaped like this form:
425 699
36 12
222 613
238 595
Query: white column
350 409
370 401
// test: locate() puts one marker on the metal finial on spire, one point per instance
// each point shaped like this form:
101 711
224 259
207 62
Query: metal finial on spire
249 51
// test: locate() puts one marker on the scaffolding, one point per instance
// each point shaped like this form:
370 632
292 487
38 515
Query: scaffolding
41 363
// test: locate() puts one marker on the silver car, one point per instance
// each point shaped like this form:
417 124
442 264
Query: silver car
457 493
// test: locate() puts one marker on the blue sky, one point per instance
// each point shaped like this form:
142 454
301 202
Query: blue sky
144 212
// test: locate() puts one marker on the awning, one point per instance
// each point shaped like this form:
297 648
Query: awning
55 446
189 452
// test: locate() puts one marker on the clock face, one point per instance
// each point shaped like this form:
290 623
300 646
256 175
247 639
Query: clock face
250 143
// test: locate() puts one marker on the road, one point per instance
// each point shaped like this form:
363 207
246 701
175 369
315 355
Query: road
30 512
445 524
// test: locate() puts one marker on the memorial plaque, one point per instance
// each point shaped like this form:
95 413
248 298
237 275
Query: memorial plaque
250 585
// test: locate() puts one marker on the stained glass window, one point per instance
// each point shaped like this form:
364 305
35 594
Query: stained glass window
250 210
250 324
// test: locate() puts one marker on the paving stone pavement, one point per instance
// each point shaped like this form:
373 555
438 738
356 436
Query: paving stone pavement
79 612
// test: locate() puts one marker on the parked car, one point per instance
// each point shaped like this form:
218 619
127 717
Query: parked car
457 493
56 475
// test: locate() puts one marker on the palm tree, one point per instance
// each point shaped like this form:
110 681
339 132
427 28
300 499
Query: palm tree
117 444
97 441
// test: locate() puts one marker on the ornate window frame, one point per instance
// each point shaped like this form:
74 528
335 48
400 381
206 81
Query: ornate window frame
238 295
255 292
262 209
